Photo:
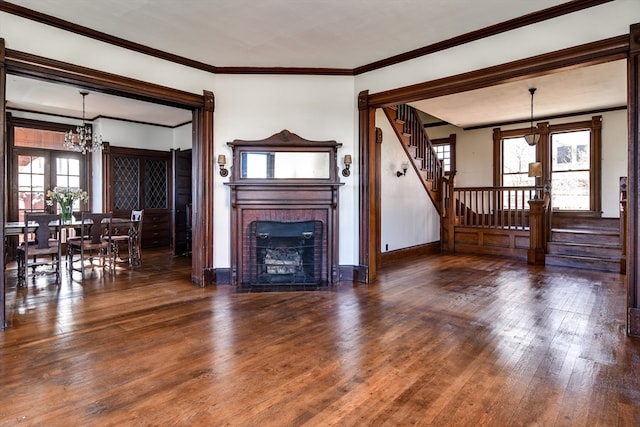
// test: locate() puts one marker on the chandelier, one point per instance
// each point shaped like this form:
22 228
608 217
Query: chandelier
83 139
533 137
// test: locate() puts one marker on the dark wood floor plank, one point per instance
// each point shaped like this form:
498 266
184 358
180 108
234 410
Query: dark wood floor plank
440 340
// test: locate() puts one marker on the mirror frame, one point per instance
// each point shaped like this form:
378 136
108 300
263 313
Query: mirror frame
282 142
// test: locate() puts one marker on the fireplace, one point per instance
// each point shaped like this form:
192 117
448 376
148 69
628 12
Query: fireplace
284 220
285 253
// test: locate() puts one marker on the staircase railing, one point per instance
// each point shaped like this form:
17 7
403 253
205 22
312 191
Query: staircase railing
411 132
429 165
507 221
493 207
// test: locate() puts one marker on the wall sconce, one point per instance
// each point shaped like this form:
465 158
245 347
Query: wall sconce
222 160
405 166
535 170
347 165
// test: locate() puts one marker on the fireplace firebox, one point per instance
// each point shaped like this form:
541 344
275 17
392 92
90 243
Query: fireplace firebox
287 253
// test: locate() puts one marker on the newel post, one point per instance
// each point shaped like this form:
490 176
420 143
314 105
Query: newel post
536 253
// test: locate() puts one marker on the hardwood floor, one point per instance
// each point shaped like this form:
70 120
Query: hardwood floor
439 341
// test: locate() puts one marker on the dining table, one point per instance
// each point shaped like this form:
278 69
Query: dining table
118 226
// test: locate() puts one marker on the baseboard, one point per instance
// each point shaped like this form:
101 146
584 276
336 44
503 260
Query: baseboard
388 258
351 273
222 276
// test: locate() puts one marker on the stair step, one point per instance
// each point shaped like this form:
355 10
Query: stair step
586 223
587 230
599 237
584 249
587 263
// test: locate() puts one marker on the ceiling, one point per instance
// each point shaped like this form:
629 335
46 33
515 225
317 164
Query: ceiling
313 34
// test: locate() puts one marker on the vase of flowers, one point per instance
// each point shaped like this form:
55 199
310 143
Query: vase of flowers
65 197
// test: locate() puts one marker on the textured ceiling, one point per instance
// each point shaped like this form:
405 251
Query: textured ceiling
313 33
286 33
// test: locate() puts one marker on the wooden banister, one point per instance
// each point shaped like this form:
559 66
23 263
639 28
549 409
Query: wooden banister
493 207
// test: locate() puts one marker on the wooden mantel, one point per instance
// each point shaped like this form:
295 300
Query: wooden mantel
293 195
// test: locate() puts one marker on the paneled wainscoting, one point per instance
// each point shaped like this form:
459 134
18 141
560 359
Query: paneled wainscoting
438 340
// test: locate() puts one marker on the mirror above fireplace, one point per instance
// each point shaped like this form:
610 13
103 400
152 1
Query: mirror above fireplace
285 165
284 156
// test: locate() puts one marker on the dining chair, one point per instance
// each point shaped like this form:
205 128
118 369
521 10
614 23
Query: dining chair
74 233
131 238
41 247
94 243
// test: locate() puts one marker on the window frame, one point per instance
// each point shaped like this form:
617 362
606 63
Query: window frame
51 156
595 170
451 142
543 155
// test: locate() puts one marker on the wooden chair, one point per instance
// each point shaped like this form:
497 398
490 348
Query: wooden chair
77 216
41 246
131 238
94 243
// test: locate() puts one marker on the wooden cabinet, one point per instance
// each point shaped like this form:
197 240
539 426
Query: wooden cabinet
156 229
140 179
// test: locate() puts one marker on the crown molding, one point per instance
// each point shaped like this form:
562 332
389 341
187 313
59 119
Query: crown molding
531 18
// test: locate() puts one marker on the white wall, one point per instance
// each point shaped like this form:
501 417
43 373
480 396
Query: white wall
408 217
183 137
134 135
313 107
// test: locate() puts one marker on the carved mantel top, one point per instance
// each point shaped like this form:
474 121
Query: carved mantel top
284 138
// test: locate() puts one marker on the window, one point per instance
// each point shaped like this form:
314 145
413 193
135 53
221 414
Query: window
31 184
516 156
571 170
446 150
570 154
444 154
40 163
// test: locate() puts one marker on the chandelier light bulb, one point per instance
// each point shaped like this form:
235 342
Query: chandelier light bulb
83 140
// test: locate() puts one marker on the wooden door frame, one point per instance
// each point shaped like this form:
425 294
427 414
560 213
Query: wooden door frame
3 187
599 52
37 67
633 189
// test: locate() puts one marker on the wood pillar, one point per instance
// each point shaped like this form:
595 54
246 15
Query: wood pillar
536 253
623 224
203 172
369 215
449 203
633 200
